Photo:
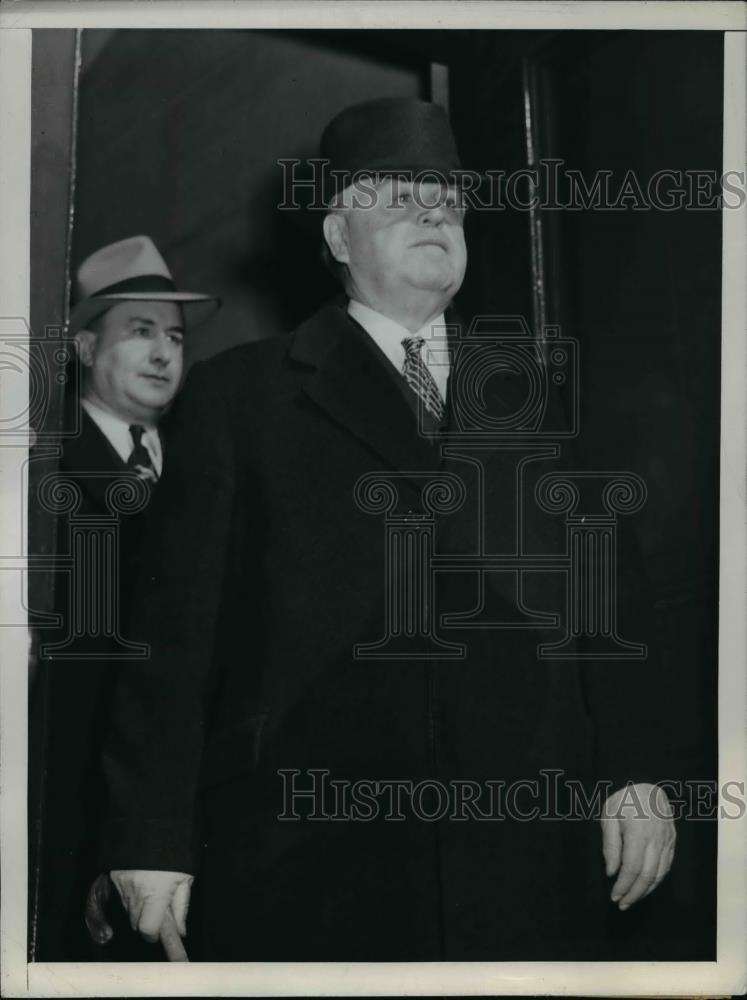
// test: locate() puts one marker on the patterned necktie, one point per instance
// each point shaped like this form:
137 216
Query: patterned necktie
140 460
420 379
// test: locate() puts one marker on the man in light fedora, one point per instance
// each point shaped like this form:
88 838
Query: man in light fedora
128 321
259 757
128 324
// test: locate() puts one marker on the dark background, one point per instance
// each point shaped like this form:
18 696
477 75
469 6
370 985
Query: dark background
178 133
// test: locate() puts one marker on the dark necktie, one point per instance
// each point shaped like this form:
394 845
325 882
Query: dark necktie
419 378
140 460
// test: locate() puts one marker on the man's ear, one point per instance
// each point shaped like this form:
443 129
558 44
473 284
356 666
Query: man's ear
336 236
85 341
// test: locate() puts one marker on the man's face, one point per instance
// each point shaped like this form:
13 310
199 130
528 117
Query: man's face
134 359
401 236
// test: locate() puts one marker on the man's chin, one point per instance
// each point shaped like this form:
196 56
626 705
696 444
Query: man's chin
154 402
437 282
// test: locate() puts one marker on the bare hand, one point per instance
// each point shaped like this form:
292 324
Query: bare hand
99 928
157 903
638 838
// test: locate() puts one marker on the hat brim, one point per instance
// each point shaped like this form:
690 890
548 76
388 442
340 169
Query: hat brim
197 306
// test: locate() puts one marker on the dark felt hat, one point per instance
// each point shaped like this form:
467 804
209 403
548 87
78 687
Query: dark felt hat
390 135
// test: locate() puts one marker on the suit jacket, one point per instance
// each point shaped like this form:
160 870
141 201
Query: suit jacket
91 452
262 574
79 685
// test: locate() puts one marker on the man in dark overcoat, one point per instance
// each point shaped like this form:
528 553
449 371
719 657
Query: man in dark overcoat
128 325
290 743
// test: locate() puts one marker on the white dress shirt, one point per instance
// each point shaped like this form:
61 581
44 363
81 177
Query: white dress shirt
388 336
117 432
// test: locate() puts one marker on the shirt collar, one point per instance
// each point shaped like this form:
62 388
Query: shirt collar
117 432
380 326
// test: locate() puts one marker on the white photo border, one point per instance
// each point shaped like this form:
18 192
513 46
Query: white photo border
726 976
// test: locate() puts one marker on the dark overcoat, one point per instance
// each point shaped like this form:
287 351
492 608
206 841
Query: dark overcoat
266 567
79 676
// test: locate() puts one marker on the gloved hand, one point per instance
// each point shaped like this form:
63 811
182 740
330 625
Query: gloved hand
157 903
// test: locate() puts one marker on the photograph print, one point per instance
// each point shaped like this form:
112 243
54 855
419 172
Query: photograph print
373 510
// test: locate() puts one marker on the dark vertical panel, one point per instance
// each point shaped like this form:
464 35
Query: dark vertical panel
642 290
533 104
53 95
487 111
644 287
54 58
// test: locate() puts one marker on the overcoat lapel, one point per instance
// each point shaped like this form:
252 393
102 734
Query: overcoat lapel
356 390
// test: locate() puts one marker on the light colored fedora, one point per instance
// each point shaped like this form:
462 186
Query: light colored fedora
128 270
